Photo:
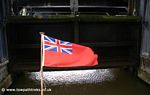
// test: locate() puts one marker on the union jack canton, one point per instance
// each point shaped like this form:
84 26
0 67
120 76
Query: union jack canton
55 45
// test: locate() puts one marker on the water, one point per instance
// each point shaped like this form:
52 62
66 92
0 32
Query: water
81 82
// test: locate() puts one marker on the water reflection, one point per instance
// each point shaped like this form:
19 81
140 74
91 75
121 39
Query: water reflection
82 82
73 77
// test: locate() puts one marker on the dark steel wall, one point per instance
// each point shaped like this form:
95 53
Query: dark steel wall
116 41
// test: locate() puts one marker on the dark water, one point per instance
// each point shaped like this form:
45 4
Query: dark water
84 82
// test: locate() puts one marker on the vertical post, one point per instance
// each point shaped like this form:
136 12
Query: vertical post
42 61
134 13
74 6
76 30
130 6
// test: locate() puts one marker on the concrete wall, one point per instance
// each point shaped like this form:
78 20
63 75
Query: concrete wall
144 71
5 77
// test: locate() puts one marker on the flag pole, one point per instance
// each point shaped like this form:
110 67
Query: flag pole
42 61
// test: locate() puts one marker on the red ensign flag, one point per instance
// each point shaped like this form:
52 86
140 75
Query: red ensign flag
58 53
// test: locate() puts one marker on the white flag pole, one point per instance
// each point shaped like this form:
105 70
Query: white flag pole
42 61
